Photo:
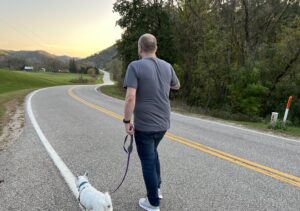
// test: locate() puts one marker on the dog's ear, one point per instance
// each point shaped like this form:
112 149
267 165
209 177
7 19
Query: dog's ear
86 174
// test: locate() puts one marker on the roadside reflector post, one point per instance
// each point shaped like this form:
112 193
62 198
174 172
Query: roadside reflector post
287 109
274 118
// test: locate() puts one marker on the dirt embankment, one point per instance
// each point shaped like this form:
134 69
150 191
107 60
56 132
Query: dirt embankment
13 123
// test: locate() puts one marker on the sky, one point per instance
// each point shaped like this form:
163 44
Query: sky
75 28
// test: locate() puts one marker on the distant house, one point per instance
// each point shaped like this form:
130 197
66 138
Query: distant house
28 68
43 69
63 71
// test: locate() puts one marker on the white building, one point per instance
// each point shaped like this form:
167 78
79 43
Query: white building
28 68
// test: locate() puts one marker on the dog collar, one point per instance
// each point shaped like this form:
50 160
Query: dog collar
81 185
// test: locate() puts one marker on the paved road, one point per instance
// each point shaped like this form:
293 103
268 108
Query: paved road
205 165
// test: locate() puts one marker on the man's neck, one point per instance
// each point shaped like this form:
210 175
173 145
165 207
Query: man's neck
150 55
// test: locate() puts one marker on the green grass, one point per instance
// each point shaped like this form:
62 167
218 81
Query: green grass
114 91
117 92
16 84
290 130
18 80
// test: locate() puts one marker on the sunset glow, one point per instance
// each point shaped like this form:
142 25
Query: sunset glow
76 28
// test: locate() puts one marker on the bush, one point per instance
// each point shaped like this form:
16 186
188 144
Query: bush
280 125
92 72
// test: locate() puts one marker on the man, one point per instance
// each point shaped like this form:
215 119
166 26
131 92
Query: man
148 82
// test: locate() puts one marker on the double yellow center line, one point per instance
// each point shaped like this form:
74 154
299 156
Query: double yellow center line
220 154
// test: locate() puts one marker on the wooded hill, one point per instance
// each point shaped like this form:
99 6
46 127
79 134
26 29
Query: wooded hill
38 59
100 59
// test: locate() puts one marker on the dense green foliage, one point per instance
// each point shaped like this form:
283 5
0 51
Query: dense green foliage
234 56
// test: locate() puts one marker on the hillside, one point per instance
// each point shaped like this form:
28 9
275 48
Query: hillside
102 58
38 59
33 56
42 59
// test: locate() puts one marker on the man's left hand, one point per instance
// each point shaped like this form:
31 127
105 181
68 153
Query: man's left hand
129 129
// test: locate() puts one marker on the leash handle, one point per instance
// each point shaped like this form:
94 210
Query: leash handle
128 151
130 147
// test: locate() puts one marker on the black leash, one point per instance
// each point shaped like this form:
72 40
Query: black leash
128 151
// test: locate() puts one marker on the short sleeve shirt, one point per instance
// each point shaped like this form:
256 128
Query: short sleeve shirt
152 78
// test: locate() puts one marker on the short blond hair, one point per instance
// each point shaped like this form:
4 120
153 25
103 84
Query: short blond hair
148 43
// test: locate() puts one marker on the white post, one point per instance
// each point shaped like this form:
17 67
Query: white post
285 114
287 109
274 117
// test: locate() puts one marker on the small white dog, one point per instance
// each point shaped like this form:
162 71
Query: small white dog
90 198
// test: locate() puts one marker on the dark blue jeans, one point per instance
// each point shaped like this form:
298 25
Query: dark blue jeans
146 144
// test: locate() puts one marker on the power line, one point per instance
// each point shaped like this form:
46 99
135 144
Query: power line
24 34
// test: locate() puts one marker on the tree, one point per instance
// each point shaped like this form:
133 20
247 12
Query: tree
73 66
139 17
237 56
52 64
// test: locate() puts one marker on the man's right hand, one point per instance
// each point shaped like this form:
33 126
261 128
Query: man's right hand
176 87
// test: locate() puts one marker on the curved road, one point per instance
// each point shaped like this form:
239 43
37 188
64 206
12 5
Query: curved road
206 165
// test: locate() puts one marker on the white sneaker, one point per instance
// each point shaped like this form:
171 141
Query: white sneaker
159 194
145 204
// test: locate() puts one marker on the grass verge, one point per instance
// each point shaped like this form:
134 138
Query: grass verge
117 92
114 91
290 130
17 84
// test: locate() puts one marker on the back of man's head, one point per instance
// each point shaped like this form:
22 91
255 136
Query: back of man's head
148 43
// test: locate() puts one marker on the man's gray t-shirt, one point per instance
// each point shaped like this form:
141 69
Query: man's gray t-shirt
152 78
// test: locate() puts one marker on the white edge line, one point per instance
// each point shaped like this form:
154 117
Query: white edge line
101 93
236 127
62 167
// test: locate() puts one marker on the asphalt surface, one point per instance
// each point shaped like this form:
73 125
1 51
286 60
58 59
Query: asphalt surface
87 139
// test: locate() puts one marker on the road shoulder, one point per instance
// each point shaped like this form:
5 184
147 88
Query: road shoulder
13 124
30 180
